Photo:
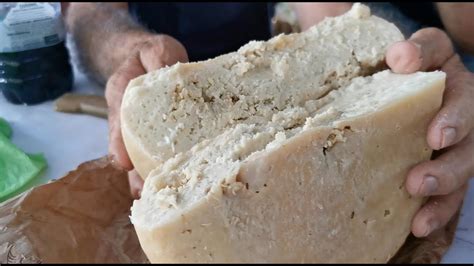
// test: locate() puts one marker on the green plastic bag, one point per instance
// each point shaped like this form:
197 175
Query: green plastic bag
5 128
16 167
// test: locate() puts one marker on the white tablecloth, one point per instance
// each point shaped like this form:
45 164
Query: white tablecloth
70 139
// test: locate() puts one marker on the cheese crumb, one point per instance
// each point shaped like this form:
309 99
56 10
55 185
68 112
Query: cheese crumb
359 11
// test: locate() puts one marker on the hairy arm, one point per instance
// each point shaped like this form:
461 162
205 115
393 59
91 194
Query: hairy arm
104 34
310 14
459 24
113 49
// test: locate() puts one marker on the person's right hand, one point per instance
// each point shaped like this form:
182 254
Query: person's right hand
152 53
445 178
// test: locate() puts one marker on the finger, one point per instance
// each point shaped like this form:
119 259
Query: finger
404 57
118 82
115 89
426 49
151 55
161 51
437 212
456 118
117 149
445 174
136 184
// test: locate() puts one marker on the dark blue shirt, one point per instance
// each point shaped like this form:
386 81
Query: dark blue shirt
210 29
207 29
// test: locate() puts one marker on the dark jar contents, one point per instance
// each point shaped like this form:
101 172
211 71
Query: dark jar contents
37 75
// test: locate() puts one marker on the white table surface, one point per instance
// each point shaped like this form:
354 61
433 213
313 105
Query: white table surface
67 140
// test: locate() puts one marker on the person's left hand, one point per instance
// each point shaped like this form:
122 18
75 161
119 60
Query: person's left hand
451 132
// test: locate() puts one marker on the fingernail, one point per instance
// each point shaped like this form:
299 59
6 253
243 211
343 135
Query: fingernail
448 136
432 225
428 186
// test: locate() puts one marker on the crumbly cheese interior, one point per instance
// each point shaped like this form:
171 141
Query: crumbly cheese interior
210 168
282 80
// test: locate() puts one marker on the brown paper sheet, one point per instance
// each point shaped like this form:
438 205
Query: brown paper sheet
80 218
83 218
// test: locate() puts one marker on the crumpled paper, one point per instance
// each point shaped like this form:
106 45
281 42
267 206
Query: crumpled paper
84 218
80 218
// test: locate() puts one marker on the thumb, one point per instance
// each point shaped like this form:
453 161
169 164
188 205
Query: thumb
161 51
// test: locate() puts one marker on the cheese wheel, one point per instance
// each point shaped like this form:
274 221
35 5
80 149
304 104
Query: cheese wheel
291 150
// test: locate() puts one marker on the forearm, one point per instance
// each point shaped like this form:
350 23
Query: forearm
310 14
459 24
104 35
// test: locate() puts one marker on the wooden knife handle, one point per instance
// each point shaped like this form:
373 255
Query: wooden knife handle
86 104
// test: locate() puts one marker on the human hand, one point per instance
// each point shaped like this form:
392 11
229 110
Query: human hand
154 52
450 133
